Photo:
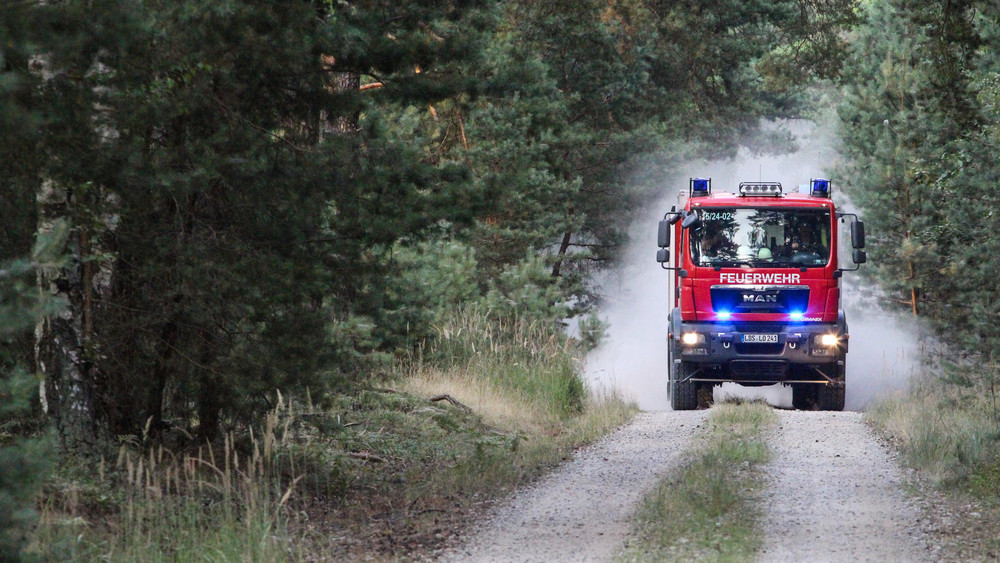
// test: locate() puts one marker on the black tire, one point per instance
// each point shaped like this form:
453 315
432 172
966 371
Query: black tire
683 394
830 397
803 396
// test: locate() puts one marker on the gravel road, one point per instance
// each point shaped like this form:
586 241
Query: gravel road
835 494
582 511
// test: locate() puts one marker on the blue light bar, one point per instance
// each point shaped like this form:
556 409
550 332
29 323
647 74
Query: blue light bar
819 187
700 187
796 315
724 315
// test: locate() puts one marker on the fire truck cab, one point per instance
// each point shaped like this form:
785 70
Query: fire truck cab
756 296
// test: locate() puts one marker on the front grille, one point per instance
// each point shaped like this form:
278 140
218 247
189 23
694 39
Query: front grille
765 370
758 327
759 349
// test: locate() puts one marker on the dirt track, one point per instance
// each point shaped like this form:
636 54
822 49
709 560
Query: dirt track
835 494
582 511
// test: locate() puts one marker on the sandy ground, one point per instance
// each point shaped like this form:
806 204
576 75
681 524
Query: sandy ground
835 494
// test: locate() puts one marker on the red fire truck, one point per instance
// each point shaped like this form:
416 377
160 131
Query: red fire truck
757 292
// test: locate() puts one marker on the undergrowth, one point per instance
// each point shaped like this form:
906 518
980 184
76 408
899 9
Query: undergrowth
946 425
382 471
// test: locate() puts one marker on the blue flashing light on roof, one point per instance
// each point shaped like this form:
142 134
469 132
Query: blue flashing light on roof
700 187
819 187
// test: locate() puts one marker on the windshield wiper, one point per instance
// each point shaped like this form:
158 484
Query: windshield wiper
730 263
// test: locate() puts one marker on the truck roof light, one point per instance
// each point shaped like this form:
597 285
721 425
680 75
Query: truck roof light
760 189
819 187
700 187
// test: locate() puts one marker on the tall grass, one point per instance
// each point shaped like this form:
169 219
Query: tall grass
214 504
525 356
521 377
948 426
377 472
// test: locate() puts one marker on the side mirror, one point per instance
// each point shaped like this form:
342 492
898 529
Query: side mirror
690 220
860 256
858 235
663 256
663 234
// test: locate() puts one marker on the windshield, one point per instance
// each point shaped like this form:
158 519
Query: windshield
772 238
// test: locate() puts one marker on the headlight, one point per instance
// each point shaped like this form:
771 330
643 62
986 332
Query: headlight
692 338
827 340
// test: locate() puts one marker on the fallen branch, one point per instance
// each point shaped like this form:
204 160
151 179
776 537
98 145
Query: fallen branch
367 456
450 399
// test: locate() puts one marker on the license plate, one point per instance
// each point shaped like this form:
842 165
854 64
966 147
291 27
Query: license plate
760 339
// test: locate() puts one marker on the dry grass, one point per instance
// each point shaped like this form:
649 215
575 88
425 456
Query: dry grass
221 504
505 409
947 426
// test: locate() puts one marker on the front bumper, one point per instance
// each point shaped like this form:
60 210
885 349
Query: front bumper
762 353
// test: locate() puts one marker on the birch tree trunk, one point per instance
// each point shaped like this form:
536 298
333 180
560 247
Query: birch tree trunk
64 342
60 340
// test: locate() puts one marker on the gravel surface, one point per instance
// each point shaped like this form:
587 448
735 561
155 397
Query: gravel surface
835 494
583 510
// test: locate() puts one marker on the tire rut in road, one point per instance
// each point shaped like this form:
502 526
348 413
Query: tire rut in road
583 510
835 494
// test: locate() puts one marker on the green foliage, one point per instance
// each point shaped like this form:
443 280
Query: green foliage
917 126
242 202
23 465
24 459
282 196
431 279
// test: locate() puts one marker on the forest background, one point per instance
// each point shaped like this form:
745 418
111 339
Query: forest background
210 207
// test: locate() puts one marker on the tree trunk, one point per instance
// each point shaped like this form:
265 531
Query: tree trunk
61 339
344 82
563 248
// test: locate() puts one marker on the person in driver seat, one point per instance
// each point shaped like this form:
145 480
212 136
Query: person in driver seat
803 244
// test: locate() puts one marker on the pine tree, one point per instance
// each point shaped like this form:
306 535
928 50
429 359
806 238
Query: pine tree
885 120
247 221
917 130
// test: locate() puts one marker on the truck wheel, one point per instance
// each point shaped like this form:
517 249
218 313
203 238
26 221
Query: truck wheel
803 396
830 398
683 394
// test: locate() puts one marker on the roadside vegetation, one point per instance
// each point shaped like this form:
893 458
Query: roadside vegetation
386 471
919 131
709 509
947 426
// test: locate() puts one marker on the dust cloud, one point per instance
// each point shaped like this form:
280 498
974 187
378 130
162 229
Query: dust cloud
884 350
